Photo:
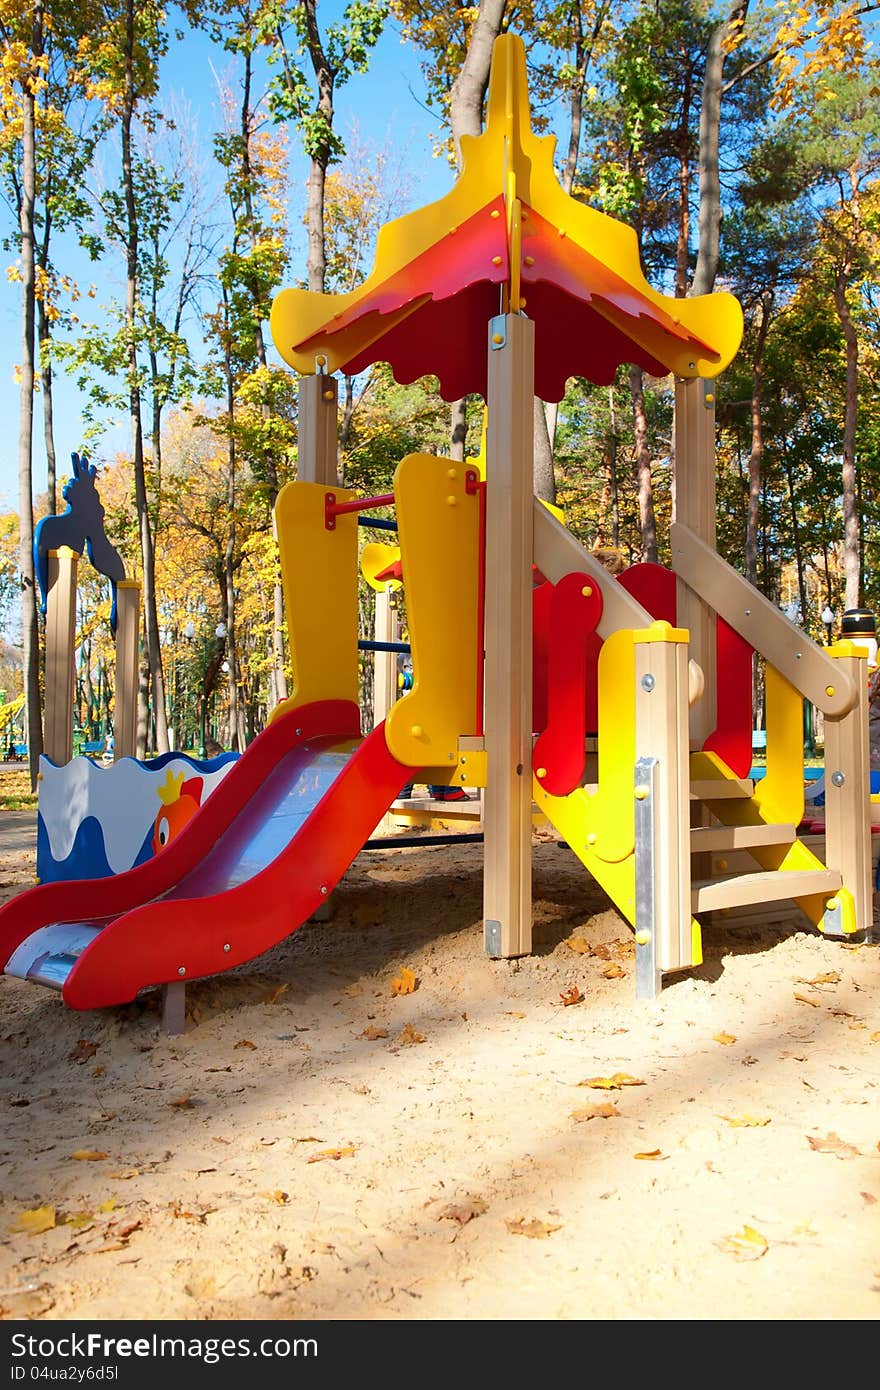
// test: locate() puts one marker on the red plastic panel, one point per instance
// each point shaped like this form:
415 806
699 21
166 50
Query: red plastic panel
575 610
731 738
541 600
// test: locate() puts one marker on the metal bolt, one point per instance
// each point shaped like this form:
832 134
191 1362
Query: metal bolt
181 970
641 793
748 612
226 946
298 732
838 779
648 682
324 888
643 938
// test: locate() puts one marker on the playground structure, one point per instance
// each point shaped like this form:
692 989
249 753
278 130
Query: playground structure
616 709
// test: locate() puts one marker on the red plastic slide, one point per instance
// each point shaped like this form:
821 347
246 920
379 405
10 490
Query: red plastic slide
252 865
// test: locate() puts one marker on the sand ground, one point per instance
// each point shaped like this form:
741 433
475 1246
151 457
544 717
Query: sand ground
322 1144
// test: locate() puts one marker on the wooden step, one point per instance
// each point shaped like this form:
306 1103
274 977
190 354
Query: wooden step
722 789
735 890
712 838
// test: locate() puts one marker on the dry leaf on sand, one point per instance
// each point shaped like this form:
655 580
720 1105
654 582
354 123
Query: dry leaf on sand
463 1211
331 1153
535 1229
88 1155
606 1111
747 1244
832 1144
745 1121
34 1221
611 1083
411 1035
572 995
405 982
724 1038
371 1034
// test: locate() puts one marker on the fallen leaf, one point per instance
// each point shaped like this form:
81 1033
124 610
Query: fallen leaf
331 1153
218 1069
875 1037
805 999
868 1198
88 1155
611 1083
601 950
80 1220
748 1061
34 1221
613 971
124 1174
578 945
182 1103
513 1013
309 1139
724 1038
410 1035
747 1244
274 994
745 1121
833 1144
463 1212
405 982
83 1051
99 1071
19 1100
572 995
246 1042
372 1034
828 977
535 1230
127 1228
654 1154
606 1111
282 1198
110 1205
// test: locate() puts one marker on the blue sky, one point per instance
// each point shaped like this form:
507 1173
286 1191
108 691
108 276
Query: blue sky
386 103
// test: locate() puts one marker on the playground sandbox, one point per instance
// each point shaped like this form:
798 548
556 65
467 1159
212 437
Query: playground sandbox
335 1138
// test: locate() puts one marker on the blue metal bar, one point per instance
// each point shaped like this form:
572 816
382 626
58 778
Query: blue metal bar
368 645
421 841
377 523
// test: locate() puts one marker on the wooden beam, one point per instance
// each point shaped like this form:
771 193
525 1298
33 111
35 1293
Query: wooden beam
507 811
60 671
317 432
128 616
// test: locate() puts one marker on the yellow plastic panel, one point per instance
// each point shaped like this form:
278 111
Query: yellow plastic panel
319 570
438 527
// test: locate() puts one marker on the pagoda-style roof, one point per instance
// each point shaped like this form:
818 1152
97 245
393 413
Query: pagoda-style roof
506 238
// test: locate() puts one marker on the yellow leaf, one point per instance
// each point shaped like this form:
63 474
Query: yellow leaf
34 1221
608 1111
746 1121
125 1174
79 1220
611 1083
535 1230
110 1205
572 995
828 977
747 1244
331 1153
371 1034
805 999
88 1155
724 1038
613 971
410 1036
246 1042
651 1153
282 1198
405 982
182 1103
578 945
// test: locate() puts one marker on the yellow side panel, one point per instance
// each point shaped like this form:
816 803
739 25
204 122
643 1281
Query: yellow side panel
319 570
438 526
575 817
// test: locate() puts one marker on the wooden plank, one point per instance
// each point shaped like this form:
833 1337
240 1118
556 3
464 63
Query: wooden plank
128 620
724 789
507 808
317 432
847 797
729 837
817 676
765 887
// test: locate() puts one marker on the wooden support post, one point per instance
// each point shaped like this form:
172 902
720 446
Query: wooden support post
128 617
847 805
174 1008
694 505
317 448
60 671
387 629
663 869
507 815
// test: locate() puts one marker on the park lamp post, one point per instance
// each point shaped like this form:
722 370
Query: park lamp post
828 620
189 633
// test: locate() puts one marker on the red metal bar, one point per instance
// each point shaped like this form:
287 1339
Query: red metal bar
473 484
333 509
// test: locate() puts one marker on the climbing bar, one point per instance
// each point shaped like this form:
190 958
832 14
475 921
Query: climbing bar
333 509
368 644
421 841
377 523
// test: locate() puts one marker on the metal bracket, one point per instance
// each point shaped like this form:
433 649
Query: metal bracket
320 365
832 919
497 332
492 938
174 1008
648 976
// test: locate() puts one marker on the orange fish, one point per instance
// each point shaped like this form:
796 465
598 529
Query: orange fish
180 801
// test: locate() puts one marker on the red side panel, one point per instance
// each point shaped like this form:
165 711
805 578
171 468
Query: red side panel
575 610
95 899
541 597
731 738
654 588
185 939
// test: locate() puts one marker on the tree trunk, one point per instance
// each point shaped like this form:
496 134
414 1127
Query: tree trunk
756 452
466 118
29 623
545 479
710 127
148 559
851 530
647 518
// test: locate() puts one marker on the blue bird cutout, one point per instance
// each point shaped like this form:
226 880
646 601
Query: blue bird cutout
80 526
